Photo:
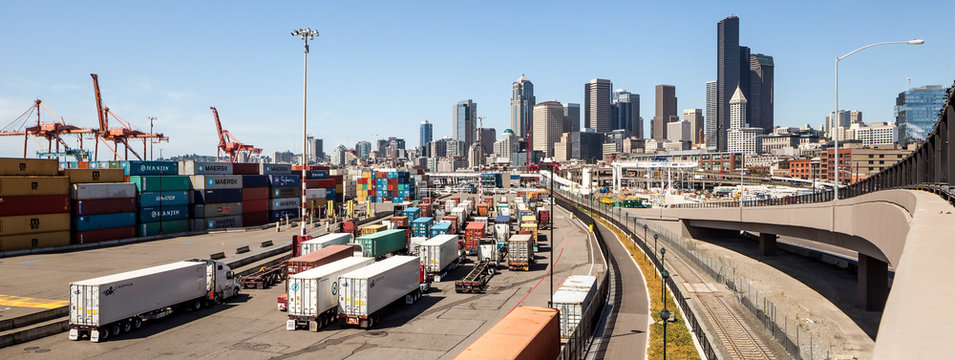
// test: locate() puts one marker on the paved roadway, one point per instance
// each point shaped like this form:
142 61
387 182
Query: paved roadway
628 337
439 326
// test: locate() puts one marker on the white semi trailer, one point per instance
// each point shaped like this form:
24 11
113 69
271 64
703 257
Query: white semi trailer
313 294
364 292
106 306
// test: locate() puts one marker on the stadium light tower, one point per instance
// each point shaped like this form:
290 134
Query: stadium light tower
306 34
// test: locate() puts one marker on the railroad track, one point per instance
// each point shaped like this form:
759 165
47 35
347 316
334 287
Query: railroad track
734 334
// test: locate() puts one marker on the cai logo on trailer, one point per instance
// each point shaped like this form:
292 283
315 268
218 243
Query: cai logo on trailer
293 287
109 291
335 288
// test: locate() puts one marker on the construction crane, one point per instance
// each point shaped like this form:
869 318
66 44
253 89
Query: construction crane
231 145
117 136
52 131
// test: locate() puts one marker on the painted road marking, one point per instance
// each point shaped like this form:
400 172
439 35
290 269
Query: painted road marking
10 300
30 261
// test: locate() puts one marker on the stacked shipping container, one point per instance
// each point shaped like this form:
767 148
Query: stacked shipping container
218 197
89 207
34 205
382 186
100 222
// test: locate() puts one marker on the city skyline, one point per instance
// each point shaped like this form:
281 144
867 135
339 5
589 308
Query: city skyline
261 83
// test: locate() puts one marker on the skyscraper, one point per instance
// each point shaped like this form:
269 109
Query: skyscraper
522 105
712 130
548 125
485 138
427 133
760 111
571 117
465 116
625 111
597 105
727 71
363 149
695 118
741 137
665 110
917 111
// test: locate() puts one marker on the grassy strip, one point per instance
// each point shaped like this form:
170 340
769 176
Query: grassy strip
679 341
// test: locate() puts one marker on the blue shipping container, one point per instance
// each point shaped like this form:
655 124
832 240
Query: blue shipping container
315 174
281 214
440 228
150 167
104 221
163 213
165 198
217 196
284 180
422 226
255 181
501 219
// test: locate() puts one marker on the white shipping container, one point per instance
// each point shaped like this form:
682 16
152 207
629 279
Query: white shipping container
325 241
102 191
217 210
502 231
371 288
103 300
520 248
285 203
315 194
414 243
572 301
192 167
449 204
314 291
438 253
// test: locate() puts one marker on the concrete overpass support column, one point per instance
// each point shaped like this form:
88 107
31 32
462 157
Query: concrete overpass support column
873 283
767 244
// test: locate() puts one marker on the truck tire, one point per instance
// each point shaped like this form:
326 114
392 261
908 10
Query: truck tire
127 326
196 305
137 322
115 330
103 334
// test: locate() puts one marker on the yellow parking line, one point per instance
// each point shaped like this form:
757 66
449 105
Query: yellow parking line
10 300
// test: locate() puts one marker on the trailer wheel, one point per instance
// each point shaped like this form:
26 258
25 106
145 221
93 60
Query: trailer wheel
197 305
115 330
137 322
363 323
103 334
127 326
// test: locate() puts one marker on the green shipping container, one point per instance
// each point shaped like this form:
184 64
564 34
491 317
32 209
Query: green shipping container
382 243
151 183
163 227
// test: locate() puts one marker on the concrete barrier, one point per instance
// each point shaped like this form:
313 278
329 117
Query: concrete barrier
34 332
33 318
217 256
266 243
242 250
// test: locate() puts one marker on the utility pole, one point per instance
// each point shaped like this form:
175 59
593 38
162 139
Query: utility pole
306 34
151 141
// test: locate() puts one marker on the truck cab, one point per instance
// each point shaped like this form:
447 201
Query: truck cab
221 282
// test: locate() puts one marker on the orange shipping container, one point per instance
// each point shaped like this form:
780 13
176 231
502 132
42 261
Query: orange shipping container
34 185
78 176
34 241
28 167
527 333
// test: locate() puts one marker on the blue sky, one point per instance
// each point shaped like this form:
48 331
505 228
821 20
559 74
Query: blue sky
379 68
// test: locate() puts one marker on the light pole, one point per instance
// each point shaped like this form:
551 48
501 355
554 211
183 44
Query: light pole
655 237
551 240
664 314
835 115
151 141
306 34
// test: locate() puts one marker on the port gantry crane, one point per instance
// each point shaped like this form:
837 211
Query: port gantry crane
53 132
231 145
120 135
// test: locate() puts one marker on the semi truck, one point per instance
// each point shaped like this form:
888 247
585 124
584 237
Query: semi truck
520 252
107 306
313 294
364 292
439 253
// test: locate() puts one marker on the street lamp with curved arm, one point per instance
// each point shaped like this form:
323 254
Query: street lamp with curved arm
835 115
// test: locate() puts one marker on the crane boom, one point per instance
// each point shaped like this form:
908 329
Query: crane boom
215 114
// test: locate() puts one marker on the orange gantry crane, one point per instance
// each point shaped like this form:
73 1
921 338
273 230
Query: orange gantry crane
231 145
53 132
120 135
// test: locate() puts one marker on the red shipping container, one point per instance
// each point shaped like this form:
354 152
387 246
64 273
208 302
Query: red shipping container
348 227
401 222
34 205
256 218
363 180
261 193
254 206
92 236
319 183
472 236
104 206
245 168
392 181
339 179
457 199
482 209
454 223
318 258
83 165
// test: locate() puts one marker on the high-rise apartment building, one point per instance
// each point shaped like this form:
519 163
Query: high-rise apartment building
625 109
363 150
548 125
485 138
695 118
712 129
917 111
522 105
855 117
586 146
506 146
465 117
571 117
760 111
665 110
753 74
597 105
426 133
338 155
315 151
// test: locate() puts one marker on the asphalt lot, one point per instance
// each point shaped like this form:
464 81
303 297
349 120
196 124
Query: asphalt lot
438 326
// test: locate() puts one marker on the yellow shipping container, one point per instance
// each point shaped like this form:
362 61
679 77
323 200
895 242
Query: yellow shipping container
34 241
78 176
371 229
34 185
528 219
33 224
28 167
532 228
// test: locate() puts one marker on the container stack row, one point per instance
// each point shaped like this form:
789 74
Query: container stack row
382 186
34 204
164 197
103 211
